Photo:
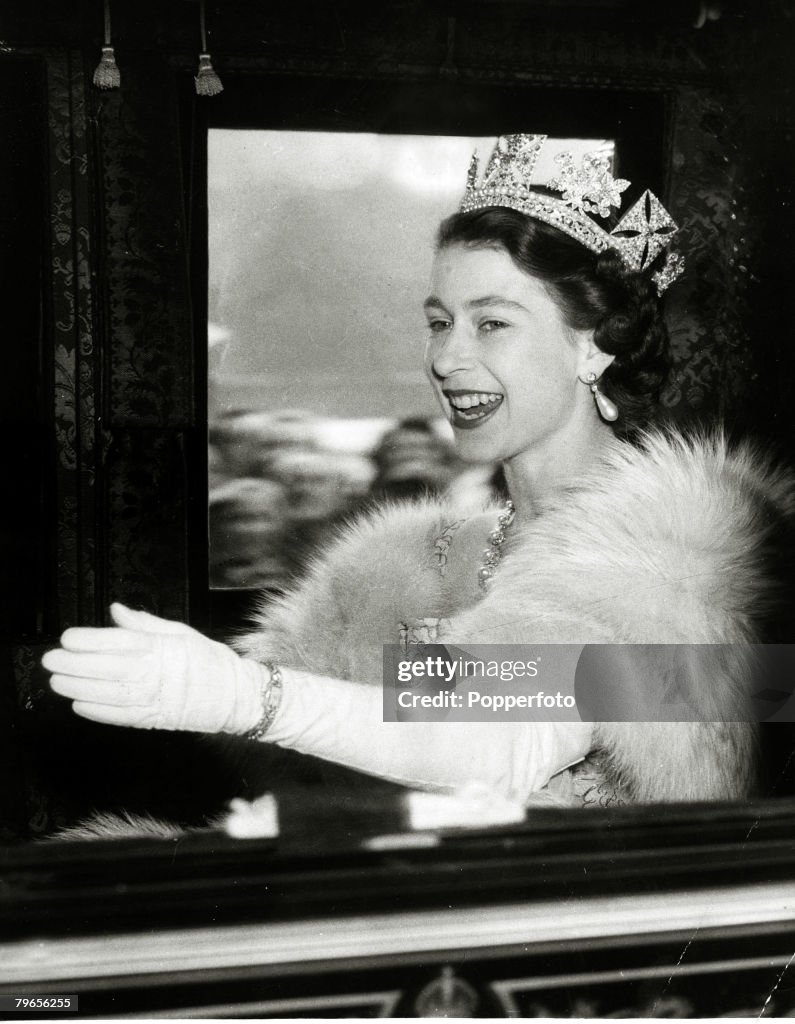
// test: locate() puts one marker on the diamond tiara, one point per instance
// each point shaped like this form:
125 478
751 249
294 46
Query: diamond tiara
586 187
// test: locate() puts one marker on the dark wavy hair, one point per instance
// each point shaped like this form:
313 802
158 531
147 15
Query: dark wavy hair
594 292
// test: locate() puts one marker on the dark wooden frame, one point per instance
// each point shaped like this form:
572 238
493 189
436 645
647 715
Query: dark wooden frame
693 907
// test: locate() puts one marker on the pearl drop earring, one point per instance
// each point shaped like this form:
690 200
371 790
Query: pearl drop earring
608 410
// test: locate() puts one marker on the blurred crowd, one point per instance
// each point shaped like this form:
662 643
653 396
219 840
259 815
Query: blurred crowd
281 484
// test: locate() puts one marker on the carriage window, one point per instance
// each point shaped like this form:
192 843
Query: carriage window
320 247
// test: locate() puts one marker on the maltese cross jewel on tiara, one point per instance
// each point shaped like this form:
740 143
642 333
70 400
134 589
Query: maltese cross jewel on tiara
586 187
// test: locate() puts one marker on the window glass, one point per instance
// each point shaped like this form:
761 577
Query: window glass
320 246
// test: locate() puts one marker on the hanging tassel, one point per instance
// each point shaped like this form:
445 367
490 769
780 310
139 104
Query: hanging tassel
207 81
107 75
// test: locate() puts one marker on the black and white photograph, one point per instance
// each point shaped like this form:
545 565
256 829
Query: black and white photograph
398 607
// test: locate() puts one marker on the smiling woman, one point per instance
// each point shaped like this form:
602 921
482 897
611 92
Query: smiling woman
523 334
500 352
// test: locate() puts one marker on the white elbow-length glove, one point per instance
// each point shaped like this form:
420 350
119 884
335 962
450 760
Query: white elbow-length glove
153 674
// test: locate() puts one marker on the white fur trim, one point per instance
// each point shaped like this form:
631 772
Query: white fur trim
660 544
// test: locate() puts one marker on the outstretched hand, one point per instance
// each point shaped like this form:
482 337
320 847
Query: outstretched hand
150 673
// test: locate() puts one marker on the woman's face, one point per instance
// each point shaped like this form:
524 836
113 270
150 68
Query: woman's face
501 360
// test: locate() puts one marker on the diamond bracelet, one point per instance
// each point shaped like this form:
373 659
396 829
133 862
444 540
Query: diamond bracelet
271 699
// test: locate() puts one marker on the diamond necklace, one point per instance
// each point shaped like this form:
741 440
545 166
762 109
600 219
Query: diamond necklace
493 553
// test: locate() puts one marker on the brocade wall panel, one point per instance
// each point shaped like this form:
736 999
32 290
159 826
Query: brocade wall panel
144 249
72 384
708 309
148 338
147 482
75 352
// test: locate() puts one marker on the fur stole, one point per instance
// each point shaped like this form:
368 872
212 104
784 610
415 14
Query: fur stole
674 541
